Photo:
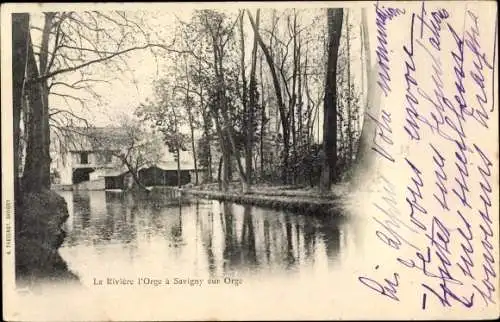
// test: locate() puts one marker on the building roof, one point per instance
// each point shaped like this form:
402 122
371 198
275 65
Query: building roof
89 138
102 138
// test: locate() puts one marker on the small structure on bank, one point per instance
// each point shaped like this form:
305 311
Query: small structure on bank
81 164
149 176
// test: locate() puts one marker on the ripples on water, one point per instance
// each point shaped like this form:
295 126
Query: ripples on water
112 234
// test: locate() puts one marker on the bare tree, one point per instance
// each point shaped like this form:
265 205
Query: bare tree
329 171
284 114
70 42
219 39
252 103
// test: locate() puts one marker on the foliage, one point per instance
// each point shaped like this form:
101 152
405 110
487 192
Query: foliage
244 84
132 144
166 115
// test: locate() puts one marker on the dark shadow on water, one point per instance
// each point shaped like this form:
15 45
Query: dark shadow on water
176 228
81 203
290 258
248 238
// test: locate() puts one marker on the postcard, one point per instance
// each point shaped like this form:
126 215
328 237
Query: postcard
250 161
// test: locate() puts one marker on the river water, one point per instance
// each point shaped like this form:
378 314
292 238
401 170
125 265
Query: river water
113 234
253 263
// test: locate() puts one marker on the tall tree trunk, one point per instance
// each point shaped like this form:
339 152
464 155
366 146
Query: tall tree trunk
310 103
225 160
20 43
246 108
206 129
222 99
284 118
299 96
262 120
340 127
178 153
219 174
193 148
37 168
32 176
252 106
293 103
191 121
134 172
44 57
226 170
349 93
209 157
363 92
329 175
234 151
206 134
310 107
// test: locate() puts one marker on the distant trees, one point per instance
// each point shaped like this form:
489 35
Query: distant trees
244 91
261 94
282 108
210 39
349 100
166 113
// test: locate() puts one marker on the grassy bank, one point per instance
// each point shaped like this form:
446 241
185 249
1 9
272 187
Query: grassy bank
39 234
295 199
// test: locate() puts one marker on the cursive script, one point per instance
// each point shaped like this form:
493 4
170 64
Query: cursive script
383 16
445 233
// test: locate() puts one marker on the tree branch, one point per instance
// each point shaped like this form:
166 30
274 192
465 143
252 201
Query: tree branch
99 60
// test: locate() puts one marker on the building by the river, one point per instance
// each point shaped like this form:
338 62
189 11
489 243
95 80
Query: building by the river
78 162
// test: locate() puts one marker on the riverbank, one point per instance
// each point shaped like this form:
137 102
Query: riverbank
288 198
39 235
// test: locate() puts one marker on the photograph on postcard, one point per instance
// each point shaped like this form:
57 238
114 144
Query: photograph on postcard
250 160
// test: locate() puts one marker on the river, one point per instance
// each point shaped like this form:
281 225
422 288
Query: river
266 262
110 232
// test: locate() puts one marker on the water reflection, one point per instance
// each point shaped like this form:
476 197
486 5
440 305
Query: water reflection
193 236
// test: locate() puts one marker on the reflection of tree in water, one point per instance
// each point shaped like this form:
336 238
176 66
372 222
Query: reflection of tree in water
267 240
290 258
127 229
207 239
176 228
331 236
114 209
80 218
297 237
231 252
309 239
81 206
157 219
239 253
248 237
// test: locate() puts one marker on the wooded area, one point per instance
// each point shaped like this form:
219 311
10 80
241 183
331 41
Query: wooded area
254 84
